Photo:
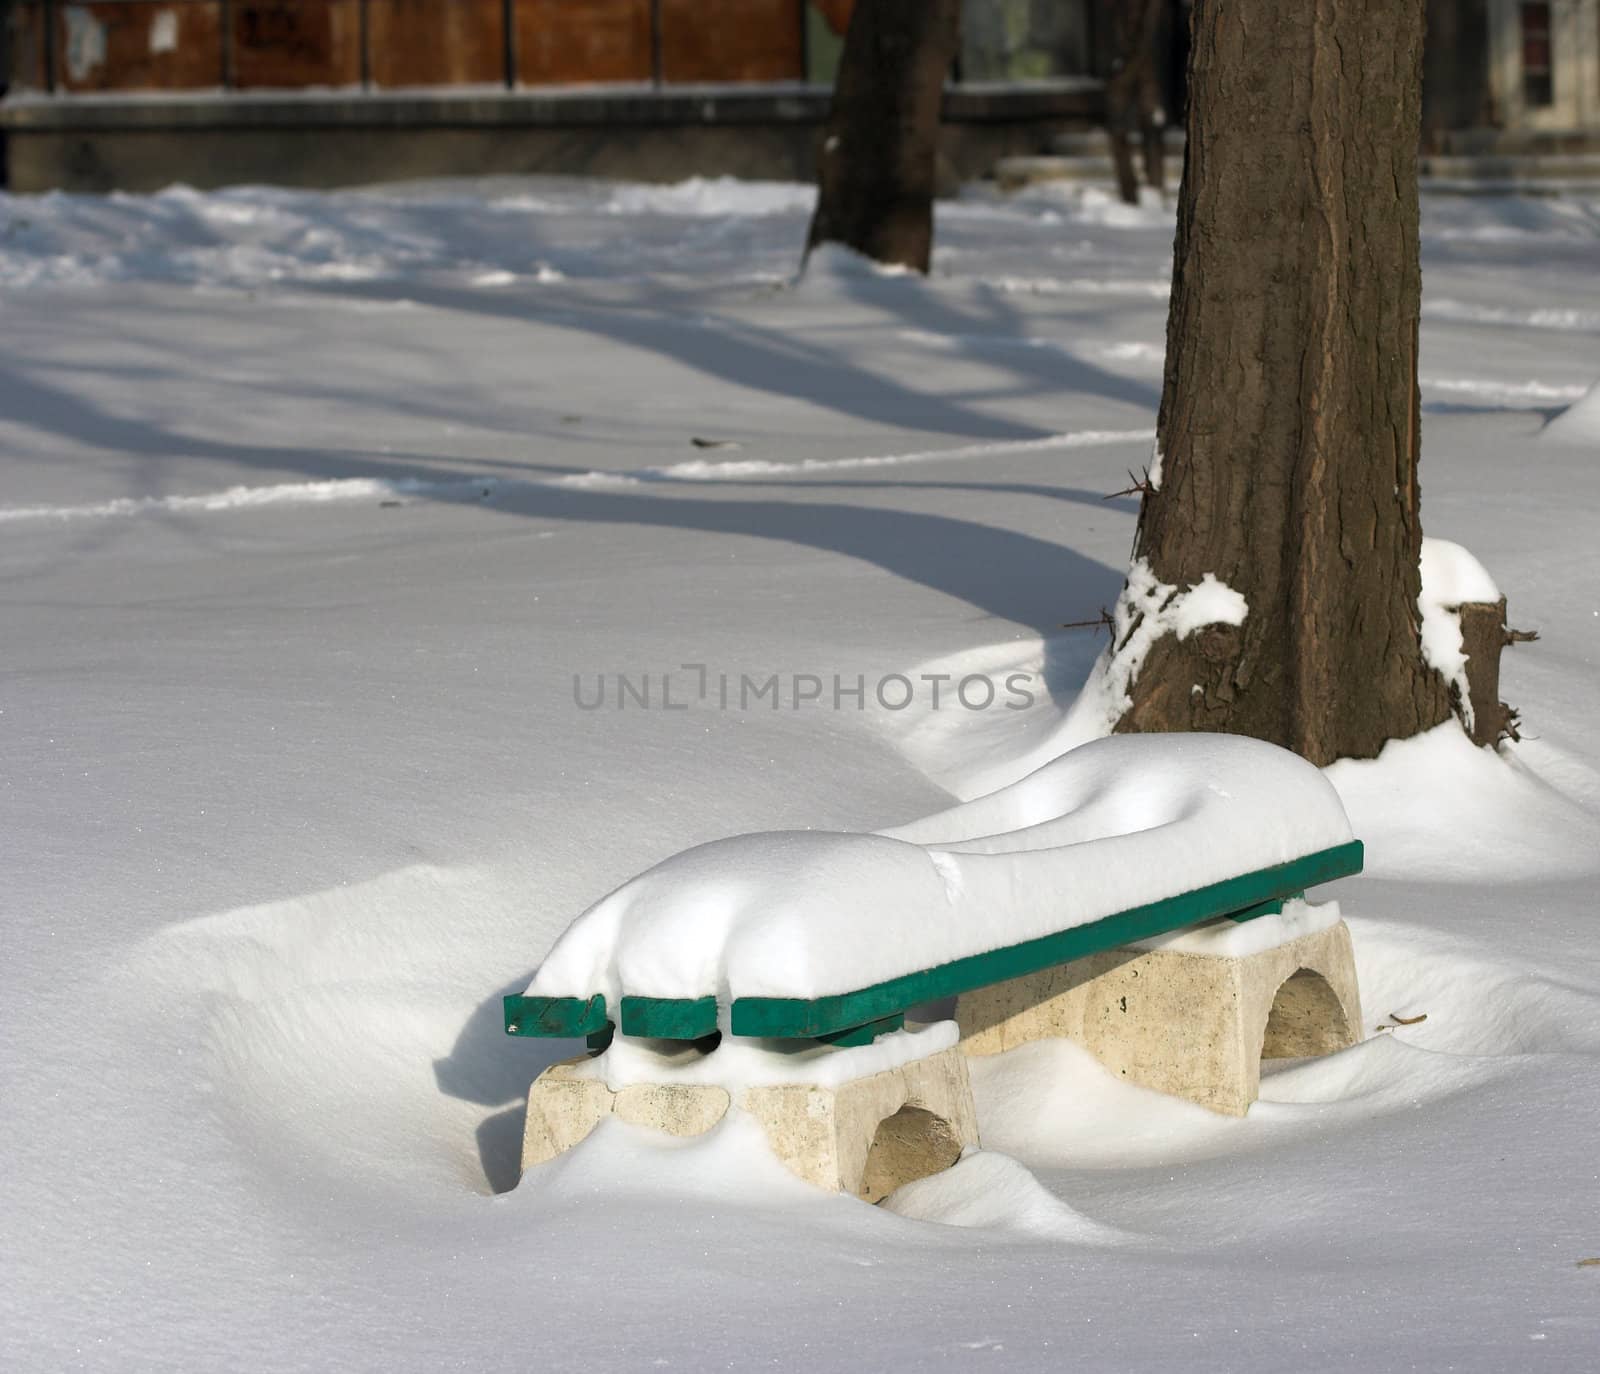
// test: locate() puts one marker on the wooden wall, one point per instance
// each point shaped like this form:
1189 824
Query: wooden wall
296 43
103 45
123 46
732 40
564 41
425 43
24 51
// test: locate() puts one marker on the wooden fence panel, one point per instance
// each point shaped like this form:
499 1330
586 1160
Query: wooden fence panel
26 49
138 45
279 43
561 41
428 43
732 40
103 45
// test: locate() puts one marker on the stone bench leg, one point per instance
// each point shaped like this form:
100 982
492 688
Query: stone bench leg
870 1135
865 1137
1193 1025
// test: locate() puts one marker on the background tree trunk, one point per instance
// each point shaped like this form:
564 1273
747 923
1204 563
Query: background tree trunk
1133 97
1289 427
876 170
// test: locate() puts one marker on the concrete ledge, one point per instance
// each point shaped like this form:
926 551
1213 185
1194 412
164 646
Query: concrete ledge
1507 171
1192 1025
494 107
1481 142
446 108
1498 173
340 138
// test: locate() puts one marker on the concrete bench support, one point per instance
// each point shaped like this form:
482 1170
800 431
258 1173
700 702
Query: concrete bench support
1192 1025
866 1136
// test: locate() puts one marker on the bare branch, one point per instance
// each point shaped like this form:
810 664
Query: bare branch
1137 486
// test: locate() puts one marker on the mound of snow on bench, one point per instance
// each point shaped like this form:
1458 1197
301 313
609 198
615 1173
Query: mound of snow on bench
1111 825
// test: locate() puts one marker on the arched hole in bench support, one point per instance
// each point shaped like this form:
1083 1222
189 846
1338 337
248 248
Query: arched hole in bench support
1306 1019
911 1144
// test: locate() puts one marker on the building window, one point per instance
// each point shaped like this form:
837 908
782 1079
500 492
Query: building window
1537 86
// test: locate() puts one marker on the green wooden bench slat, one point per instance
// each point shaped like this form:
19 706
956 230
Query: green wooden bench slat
555 1016
802 1018
1272 907
865 1035
669 1018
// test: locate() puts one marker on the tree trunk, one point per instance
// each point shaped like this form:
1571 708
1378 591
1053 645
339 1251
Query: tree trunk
877 167
1289 428
1133 97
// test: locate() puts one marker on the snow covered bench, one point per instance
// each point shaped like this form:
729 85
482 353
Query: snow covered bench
831 938
823 935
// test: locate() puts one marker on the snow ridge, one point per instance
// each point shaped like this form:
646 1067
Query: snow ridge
251 498
701 470
693 470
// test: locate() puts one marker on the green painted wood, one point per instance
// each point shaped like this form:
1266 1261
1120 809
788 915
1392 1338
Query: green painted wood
601 1039
555 1016
669 1018
1270 908
800 1018
864 1035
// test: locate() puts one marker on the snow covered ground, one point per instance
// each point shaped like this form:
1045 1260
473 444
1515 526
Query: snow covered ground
312 510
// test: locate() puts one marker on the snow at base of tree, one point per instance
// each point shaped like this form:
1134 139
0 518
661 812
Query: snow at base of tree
1468 793
1453 578
1147 610
1579 423
1117 823
833 263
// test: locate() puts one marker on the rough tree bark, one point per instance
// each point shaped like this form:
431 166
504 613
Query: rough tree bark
876 170
1289 426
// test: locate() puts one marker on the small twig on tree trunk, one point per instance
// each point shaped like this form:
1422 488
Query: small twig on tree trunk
1138 486
1103 620
1520 636
1400 1020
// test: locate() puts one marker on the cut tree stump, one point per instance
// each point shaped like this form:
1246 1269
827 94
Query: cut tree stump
1483 636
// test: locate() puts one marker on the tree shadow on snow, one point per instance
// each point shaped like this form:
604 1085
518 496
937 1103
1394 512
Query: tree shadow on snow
831 376
1005 574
